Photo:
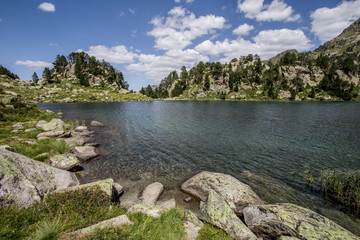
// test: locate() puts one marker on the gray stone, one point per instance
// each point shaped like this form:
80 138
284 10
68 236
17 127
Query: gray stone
55 124
192 230
217 212
50 134
110 223
81 129
85 153
65 161
24 181
188 199
96 124
148 209
11 93
10 107
17 126
236 193
285 219
40 124
30 129
75 141
151 193
168 204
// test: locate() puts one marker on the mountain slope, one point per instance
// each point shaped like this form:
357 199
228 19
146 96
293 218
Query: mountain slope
331 72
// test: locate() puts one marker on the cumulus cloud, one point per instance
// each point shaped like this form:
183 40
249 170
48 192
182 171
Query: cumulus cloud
47 7
181 27
243 30
277 10
116 54
327 23
156 67
132 11
267 44
187 1
34 64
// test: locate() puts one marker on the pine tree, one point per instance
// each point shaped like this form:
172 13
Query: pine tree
35 77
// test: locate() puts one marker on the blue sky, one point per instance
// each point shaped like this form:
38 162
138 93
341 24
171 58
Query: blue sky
148 39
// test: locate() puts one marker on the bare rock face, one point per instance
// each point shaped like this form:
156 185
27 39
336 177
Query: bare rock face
232 190
217 212
278 221
24 181
85 153
65 161
151 193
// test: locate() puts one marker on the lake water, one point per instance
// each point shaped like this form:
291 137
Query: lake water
167 141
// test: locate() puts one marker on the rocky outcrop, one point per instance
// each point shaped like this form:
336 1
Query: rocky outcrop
85 153
24 181
217 212
151 193
110 223
65 161
282 220
238 194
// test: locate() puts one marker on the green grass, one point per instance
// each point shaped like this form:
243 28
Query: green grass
209 232
343 187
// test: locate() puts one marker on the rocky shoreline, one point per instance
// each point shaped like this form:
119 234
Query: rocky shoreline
225 202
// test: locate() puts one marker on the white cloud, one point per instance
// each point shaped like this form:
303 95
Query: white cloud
121 13
181 27
327 23
189 1
34 64
132 11
47 7
277 10
243 30
177 1
117 54
157 67
267 44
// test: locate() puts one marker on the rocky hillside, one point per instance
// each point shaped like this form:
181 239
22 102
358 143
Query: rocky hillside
76 78
330 72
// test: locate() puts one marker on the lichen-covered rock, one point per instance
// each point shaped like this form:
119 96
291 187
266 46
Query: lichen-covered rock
151 193
66 161
231 189
217 212
85 153
40 124
24 181
55 124
280 220
105 186
49 134
192 225
76 141
113 222
148 209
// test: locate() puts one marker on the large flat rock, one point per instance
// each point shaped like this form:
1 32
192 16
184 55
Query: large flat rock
24 181
232 190
85 153
151 193
288 220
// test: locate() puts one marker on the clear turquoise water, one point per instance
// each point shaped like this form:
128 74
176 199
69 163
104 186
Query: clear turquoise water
167 141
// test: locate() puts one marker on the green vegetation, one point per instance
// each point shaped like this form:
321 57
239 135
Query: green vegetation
337 186
4 71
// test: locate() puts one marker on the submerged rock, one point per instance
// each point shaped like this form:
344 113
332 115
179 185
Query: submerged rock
232 190
285 219
217 212
65 161
24 181
96 124
151 193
